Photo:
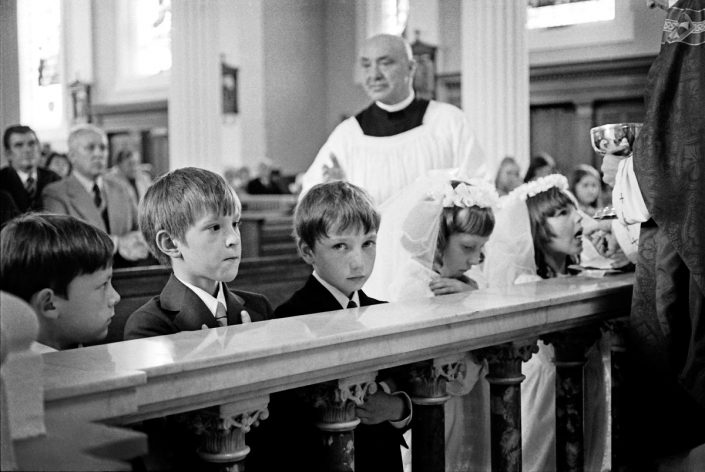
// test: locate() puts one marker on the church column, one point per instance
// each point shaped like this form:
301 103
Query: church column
222 431
335 403
505 377
194 94
570 348
428 394
10 66
495 77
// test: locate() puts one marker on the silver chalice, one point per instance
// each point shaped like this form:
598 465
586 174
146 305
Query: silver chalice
616 139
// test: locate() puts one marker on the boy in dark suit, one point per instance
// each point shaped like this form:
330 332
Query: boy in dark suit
23 179
62 267
190 219
335 225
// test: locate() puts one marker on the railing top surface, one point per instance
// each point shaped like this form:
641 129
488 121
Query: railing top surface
285 353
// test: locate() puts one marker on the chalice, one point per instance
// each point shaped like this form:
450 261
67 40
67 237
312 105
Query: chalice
616 139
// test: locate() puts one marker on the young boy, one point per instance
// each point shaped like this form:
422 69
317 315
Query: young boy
190 219
335 226
62 267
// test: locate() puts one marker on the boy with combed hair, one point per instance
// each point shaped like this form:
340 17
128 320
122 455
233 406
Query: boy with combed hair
62 267
190 219
335 226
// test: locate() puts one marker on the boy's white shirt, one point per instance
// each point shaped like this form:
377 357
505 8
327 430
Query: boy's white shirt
210 301
343 300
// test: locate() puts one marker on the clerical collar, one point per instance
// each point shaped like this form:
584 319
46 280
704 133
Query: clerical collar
397 106
337 294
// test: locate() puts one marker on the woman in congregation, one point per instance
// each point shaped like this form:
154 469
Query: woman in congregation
538 236
432 233
586 185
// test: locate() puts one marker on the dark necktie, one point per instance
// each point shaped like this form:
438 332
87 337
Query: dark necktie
221 315
97 197
31 186
351 304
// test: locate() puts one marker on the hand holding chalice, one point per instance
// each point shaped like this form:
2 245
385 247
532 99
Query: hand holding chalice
614 142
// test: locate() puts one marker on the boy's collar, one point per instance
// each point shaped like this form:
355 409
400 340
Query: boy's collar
210 301
339 296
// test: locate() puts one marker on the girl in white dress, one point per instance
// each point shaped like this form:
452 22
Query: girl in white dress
431 235
538 235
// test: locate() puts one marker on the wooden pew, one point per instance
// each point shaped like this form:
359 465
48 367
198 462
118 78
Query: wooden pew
276 277
266 234
231 371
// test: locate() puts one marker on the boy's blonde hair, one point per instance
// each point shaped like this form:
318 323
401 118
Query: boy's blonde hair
178 199
333 206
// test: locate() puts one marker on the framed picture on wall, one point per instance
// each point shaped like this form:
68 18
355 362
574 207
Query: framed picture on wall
80 102
229 86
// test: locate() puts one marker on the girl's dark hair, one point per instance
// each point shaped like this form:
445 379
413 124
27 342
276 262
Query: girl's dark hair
541 207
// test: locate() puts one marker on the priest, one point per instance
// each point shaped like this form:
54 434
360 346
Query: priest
398 137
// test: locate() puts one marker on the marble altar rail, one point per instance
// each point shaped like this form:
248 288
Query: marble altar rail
234 369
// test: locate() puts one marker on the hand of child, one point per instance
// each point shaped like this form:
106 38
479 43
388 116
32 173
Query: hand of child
381 407
445 285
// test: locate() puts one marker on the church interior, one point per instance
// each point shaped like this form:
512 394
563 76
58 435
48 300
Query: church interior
253 88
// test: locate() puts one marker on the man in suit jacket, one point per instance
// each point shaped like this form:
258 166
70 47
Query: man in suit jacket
88 196
179 308
23 179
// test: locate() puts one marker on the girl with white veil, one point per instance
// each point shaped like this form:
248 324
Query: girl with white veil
538 235
430 235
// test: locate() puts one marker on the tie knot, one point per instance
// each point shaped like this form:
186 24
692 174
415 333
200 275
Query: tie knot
351 304
30 185
221 315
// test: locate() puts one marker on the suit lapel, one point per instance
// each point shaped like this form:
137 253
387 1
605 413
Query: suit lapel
318 297
82 202
190 313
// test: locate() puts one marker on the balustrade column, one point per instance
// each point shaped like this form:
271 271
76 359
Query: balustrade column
616 329
335 403
505 377
428 394
222 431
570 349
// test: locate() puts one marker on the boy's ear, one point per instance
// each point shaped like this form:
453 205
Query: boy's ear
44 304
167 244
305 251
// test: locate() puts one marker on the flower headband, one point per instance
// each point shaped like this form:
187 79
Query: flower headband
465 195
533 188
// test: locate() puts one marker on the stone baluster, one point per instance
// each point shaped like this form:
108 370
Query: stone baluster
505 377
570 356
335 403
222 431
428 394
615 330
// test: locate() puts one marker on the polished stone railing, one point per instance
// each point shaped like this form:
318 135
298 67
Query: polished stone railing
228 373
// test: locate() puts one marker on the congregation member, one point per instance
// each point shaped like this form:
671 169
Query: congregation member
127 170
23 179
661 187
335 226
399 137
59 163
586 187
89 196
540 165
62 267
508 176
432 233
190 219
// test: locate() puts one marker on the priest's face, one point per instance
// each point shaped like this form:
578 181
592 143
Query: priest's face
387 69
